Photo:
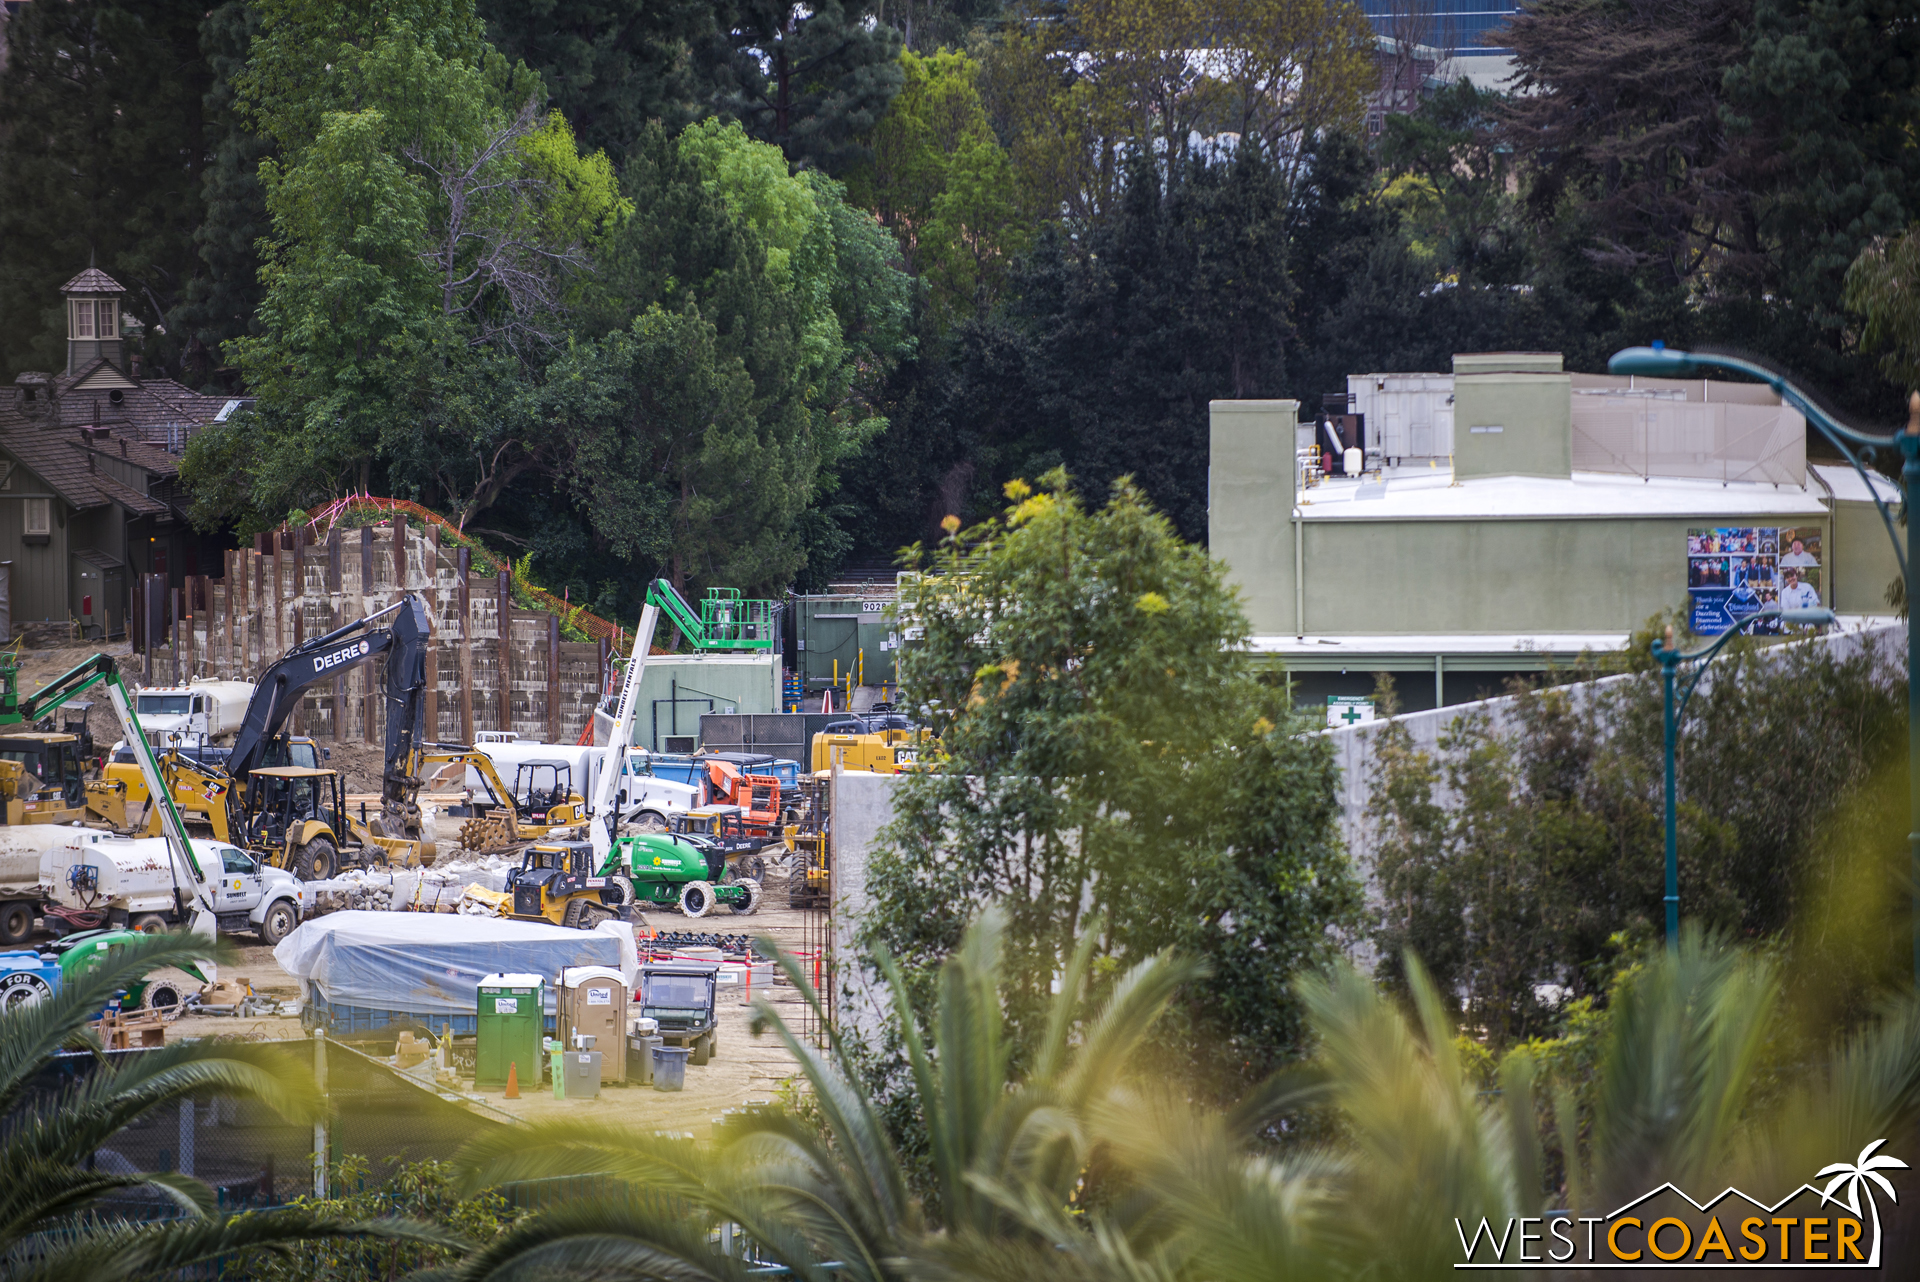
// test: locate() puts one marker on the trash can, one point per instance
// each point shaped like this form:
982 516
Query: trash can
670 1068
593 1001
509 1031
582 1070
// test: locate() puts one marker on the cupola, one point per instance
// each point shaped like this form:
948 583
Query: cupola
93 321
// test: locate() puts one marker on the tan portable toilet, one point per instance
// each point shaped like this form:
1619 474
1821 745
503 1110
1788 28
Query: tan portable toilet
593 1000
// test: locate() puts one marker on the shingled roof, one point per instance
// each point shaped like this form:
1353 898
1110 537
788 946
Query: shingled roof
57 442
93 281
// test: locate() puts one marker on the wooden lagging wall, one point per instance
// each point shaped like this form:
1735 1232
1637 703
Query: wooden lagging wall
286 589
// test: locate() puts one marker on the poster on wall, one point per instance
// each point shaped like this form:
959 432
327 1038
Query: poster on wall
1733 572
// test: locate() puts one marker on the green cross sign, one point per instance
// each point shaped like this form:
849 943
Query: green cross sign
1350 714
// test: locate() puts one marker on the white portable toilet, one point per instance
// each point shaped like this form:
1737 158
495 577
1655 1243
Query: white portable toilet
593 1001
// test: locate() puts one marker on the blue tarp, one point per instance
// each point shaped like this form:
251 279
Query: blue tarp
430 963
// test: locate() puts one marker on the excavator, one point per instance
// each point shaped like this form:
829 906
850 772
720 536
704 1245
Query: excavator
294 816
42 771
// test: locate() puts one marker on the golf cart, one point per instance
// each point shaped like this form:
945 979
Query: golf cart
680 996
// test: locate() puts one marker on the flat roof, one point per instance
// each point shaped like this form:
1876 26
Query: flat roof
1599 495
1849 488
1460 651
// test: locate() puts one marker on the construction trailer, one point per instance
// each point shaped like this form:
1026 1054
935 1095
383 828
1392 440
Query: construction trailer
844 641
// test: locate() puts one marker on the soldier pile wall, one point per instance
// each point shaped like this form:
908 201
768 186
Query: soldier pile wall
286 589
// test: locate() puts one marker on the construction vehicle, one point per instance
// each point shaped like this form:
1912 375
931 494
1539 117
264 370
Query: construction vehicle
296 816
725 620
557 882
186 887
119 797
678 997
884 744
82 951
196 715
260 815
683 870
42 777
131 881
810 867
541 800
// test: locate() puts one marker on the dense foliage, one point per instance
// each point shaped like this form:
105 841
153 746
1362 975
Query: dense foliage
1091 234
1106 753
1524 856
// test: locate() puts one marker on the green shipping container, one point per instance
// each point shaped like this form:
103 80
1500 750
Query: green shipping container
511 1029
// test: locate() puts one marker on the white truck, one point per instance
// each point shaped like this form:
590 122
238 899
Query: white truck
22 892
139 881
641 799
194 715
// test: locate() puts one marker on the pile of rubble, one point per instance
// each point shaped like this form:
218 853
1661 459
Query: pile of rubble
439 889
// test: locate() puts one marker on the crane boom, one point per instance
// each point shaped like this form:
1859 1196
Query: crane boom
604 818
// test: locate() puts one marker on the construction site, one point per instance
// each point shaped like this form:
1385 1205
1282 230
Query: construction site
441 840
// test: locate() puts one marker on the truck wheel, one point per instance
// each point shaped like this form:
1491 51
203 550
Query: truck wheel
622 887
16 922
650 821
696 898
749 901
277 924
702 1049
161 995
315 861
149 924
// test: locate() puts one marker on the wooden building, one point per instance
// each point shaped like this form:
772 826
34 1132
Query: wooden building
89 473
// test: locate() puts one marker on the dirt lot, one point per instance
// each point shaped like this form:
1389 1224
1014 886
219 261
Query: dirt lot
746 1069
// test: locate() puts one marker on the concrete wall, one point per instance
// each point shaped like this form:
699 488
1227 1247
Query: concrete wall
492 665
1417 577
1511 424
1250 487
862 806
1355 747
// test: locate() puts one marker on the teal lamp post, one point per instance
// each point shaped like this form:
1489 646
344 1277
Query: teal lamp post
1659 361
1670 659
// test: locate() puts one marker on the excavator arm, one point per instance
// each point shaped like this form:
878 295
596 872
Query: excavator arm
280 686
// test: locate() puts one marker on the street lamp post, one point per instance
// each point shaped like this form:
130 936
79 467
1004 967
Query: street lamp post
1659 361
1670 659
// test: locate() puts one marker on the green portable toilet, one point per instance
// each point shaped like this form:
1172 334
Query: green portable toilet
511 1029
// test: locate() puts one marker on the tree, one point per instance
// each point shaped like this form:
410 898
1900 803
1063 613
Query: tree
1082 90
611 66
1883 285
941 182
811 80
222 298
421 262
1624 105
1547 861
48 1210
1832 85
102 147
1106 752
1182 296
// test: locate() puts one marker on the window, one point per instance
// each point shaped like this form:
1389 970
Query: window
237 862
82 317
107 325
38 516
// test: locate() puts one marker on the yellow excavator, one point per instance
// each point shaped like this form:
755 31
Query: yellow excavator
502 820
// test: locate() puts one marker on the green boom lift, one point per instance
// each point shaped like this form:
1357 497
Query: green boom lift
726 621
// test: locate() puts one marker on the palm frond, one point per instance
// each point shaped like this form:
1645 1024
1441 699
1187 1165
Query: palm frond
130 1252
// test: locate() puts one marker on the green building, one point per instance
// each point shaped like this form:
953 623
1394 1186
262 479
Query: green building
1511 514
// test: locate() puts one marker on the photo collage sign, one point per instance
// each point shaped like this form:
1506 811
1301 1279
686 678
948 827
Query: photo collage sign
1738 571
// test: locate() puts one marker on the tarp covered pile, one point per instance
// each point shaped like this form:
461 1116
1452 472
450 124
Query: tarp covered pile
432 963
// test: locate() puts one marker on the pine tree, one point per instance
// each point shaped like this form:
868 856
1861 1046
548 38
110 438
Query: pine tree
101 154
223 298
610 65
811 81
